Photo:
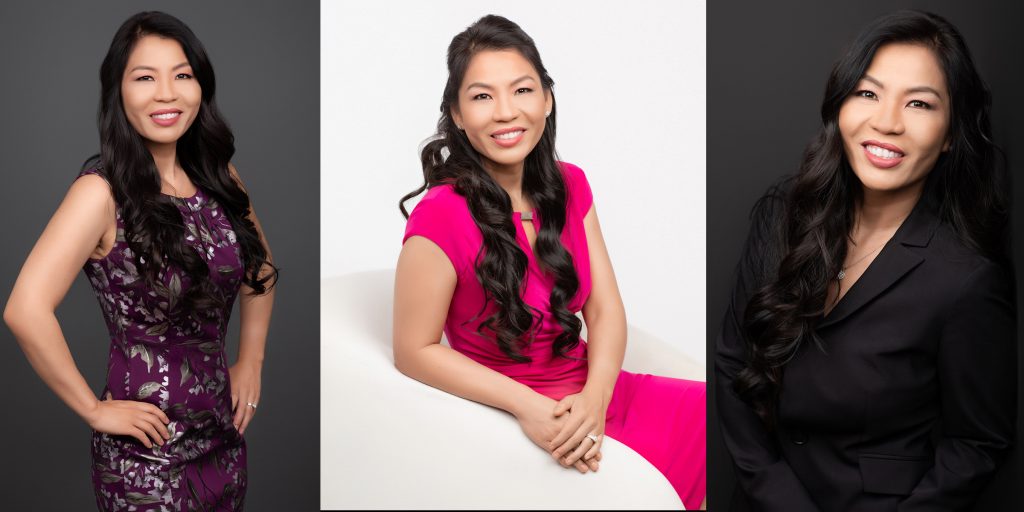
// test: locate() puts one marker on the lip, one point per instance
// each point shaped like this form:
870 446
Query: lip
879 162
507 143
165 121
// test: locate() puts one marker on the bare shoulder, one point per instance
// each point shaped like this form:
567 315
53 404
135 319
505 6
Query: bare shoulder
90 193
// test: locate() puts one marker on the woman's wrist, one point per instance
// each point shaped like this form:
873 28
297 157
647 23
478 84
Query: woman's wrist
599 391
529 400
250 361
88 414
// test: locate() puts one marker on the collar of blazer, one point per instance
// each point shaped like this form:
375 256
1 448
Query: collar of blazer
891 264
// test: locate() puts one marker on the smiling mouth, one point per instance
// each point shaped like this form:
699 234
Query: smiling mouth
881 152
165 116
508 135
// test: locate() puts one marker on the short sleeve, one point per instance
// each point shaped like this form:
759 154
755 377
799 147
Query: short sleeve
580 196
443 217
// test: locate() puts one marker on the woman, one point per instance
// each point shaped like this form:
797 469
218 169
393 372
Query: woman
502 251
867 360
163 228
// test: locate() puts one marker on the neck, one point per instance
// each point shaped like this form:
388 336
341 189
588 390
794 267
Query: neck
165 156
509 178
879 211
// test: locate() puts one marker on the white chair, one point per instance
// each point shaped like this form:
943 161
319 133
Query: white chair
389 441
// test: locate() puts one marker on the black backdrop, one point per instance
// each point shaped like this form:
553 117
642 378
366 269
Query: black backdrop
767 67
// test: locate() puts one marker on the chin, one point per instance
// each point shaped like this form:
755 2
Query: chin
163 139
507 159
877 181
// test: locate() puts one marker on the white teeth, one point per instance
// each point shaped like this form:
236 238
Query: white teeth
882 152
509 135
169 115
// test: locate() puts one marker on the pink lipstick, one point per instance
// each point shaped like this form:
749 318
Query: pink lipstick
165 117
508 137
882 155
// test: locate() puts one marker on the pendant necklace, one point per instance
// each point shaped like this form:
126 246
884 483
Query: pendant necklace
842 271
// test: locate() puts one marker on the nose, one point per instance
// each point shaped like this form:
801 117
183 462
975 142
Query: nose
165 91
504 110
888 118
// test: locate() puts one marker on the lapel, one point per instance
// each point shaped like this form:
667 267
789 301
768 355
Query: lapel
896 260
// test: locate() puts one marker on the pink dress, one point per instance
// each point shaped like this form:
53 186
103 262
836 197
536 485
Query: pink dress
662 419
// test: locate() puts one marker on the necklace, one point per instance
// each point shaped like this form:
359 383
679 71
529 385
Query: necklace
173 189
842 271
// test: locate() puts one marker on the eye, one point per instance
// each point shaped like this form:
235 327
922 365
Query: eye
864 93
183 76
523 90
919 104
144 78
482 96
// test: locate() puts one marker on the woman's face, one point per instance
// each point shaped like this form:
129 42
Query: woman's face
895 124
160 95
502 107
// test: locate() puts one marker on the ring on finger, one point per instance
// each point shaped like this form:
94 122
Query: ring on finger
251 404
592 437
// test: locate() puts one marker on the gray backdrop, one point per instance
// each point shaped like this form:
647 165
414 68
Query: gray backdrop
266 57
767 67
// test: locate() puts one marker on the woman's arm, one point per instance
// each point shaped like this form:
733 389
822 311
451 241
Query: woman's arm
254 318
425 281
83 220
977 369
606 347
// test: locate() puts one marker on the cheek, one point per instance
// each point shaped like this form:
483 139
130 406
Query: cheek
474 115
847 121
193 94
931 137
132 100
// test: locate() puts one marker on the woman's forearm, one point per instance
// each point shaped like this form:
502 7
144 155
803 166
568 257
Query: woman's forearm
443 368
40 337
255 311
606 348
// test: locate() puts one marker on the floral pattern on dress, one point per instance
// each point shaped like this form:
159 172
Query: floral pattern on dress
174 358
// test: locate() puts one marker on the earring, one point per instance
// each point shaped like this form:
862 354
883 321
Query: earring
458 126
548 113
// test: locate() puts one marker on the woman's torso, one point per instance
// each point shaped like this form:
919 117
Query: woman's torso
461 240
162 352
859 418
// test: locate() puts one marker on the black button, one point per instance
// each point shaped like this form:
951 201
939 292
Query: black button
798 437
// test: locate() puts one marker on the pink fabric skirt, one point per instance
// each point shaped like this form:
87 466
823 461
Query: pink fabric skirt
664 420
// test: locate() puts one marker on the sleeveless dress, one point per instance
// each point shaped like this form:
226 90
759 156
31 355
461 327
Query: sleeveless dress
173 358
662 419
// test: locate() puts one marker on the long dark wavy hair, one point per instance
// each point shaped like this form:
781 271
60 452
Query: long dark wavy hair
153 225
449 158
803 251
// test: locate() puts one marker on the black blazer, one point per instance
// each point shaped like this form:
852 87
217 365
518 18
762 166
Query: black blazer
911 405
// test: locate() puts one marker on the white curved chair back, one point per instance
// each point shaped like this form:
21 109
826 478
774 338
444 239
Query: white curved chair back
388 441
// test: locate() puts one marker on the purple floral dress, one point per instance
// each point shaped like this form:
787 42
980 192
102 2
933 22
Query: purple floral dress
173 358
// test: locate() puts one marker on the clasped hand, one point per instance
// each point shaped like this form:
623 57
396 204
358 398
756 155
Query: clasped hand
561 428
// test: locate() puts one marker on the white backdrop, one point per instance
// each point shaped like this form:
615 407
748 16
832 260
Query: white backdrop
630 85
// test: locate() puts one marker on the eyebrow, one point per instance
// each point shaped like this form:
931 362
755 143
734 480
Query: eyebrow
149 68
486 86
919 88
